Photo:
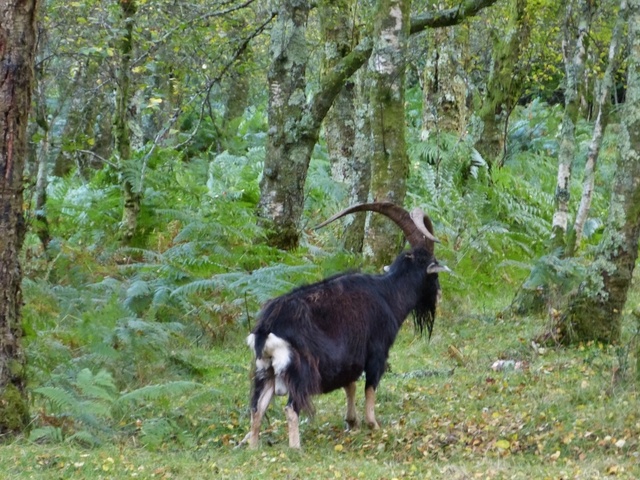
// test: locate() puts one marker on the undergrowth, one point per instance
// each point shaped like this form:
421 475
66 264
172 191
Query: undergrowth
143 345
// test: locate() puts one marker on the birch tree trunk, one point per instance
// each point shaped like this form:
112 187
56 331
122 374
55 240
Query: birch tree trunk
603 99
17 51
574 57
595 311
121 129
390 162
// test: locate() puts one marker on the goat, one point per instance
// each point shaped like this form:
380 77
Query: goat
322 337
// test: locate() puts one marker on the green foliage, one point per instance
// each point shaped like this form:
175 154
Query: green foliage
88 409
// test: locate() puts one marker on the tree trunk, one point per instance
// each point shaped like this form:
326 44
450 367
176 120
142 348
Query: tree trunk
17 50
444 107
390 162
337 30
574 56
595 311
603 100
505 84
122 133
289 143
42 153
357 174
294 124
346 125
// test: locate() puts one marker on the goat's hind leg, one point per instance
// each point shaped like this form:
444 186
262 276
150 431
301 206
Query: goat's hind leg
373 373
293 424
264 388
351 418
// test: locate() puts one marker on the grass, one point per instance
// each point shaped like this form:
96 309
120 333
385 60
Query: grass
566 413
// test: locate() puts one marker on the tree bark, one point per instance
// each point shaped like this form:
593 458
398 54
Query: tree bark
603 99
390 162
42 152
294 124
505 84
358 174
122 133
17 51
574 57
595 311
346 125
444 107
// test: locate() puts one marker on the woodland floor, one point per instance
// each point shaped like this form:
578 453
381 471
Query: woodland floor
560 413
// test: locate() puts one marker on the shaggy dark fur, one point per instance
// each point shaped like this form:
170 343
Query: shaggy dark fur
345 325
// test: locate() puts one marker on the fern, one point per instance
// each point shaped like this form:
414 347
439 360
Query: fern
59 399
154 392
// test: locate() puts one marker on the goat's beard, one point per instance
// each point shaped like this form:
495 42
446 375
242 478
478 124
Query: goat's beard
424 315
424 318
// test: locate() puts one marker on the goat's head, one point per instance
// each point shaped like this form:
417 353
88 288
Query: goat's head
418 230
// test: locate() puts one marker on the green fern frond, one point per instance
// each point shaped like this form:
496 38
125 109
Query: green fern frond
154 392
84 438
60 399
99 386
46 434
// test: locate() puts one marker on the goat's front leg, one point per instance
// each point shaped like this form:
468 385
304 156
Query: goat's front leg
265 389
369 407
351 418
292 425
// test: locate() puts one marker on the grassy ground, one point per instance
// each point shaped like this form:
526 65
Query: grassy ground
562 413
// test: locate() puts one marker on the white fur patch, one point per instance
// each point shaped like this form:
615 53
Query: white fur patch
277 354
280 352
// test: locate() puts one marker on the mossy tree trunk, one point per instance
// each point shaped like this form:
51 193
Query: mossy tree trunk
345 126
42 153
337 31
595 311
505 83
603 99
17 51
358 174
121 130
444 90
390 162
574 53
294 122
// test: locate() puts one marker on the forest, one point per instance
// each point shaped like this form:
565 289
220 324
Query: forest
163 168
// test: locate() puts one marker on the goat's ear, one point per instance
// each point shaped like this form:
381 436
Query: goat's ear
435 267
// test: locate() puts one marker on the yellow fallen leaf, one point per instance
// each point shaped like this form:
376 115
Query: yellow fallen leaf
503 444
338 448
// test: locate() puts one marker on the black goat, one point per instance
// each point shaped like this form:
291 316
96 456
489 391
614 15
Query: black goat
321 337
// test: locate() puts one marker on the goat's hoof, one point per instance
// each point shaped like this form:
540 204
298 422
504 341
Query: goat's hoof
373 425
352 424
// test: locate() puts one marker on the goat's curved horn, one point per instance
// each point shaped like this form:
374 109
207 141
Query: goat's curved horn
416 226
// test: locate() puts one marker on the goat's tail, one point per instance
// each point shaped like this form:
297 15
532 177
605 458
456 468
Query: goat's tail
294 365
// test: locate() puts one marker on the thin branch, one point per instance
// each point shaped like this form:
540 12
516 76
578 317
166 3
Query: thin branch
183 26
95 155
